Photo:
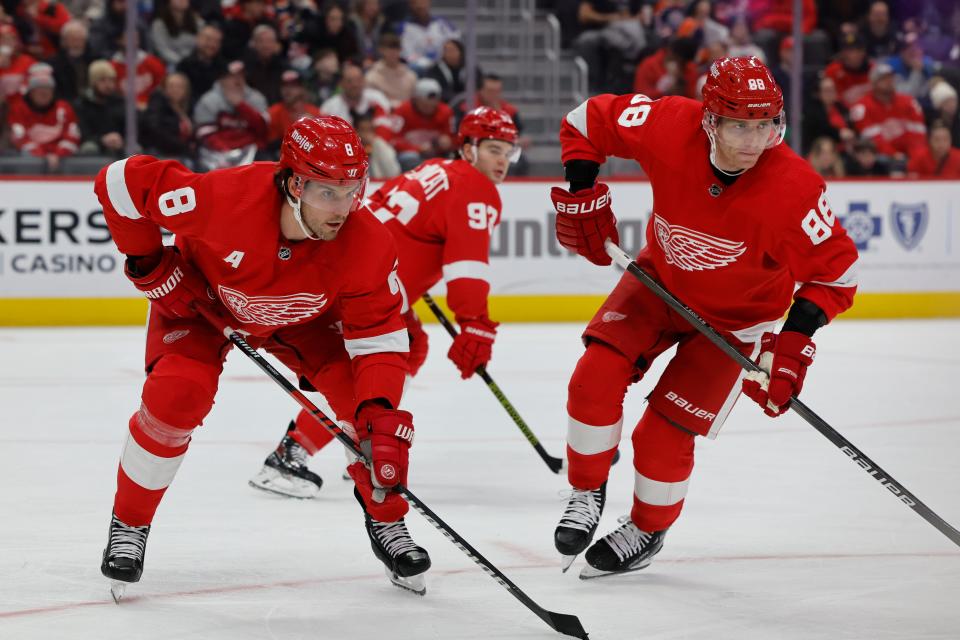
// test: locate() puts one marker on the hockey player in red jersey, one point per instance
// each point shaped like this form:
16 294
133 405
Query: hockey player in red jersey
284 254
441 215
741 231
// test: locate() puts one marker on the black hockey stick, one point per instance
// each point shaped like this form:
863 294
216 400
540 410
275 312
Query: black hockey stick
555 464
818 423
561 622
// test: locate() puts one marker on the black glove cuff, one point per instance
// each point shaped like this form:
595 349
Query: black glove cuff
581 174
140 266
804 317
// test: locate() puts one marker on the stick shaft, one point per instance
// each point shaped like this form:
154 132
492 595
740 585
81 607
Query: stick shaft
818 423
555 464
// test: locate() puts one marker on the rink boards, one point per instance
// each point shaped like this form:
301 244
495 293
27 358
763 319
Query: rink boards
58 265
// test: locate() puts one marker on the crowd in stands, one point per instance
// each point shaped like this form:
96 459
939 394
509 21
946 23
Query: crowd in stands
218 83
879 78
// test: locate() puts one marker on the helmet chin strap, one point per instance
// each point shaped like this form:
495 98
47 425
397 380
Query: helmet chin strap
295 204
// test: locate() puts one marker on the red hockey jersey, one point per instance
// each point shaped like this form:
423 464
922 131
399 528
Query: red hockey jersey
735 254
53 131
227 224
14 76
414 129
894 127
150 73
851 85
442 214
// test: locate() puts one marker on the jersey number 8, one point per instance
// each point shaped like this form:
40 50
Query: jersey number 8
635 116
178 201
817 224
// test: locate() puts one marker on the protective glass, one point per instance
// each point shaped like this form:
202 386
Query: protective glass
513 153
737 132
333 195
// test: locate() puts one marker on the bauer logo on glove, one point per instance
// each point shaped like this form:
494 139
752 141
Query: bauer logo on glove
579 208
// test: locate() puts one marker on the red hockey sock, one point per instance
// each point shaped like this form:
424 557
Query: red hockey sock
663 462
595 407
311 435
177 395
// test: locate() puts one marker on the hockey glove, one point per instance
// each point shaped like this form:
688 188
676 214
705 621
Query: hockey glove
169 282
784 359
419 342
473 346
585 220
385 438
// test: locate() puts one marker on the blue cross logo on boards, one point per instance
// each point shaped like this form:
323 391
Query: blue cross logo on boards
861 225
909 223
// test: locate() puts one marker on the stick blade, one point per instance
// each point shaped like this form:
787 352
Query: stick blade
568 625
555 464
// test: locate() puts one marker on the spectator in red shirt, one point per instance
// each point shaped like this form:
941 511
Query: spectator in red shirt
41 125
669 71
424 125
230 121
938 159
13 62
850 72
292 106
149 72
893 121
44 20
490 94
777 15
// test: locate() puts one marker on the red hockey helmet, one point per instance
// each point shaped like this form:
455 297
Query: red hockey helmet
486 123
324 151
742 89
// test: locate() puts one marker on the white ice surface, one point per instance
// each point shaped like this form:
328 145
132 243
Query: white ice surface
783 536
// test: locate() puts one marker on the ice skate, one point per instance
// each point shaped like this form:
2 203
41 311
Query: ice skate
123 555
405 562
624 549
578 523
285 472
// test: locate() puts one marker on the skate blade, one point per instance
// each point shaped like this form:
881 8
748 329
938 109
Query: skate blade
272 481
117 590
566 561
589 573
416 584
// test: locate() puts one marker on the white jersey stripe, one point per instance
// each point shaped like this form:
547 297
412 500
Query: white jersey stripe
848 279
146 469
588 440
578 119
117 190
395 342
473 269
660 494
